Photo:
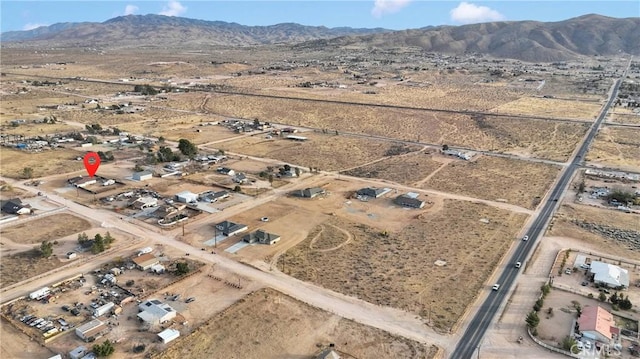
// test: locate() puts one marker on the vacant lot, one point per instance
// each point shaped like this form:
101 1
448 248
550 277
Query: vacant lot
495 178
48 162
268 324
539 138
404 169
618 147
20 266
325 152
551 107
397 268
47 228
567 220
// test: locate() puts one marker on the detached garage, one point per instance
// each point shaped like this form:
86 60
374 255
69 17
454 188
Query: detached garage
168 335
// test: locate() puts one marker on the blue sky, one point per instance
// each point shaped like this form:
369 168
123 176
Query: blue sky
391 14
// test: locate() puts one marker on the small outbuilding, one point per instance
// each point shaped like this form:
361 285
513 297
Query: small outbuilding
78 352
168 335
142 176
408 201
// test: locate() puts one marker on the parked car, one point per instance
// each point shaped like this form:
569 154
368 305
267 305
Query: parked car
190 299
585 283
567 271
264 219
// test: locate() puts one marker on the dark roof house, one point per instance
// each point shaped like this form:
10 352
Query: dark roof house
406 201
229 228
15 206
261 237
371 192
309 192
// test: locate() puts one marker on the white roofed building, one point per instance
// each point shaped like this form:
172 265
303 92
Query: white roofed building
609 275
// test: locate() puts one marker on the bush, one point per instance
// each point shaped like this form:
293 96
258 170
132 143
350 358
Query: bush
182 268
103 350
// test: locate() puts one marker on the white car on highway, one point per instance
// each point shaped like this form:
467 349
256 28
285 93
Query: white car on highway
525 238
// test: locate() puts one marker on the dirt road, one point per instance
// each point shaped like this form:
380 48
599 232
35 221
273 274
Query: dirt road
392 320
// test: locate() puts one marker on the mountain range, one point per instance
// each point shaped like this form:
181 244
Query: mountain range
586 35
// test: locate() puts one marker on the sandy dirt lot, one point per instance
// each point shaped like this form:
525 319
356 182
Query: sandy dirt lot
16 345
325 152
295 330
563 225
617 147
46 228
20 266
48 162
405 169
521 182
398 269
551 107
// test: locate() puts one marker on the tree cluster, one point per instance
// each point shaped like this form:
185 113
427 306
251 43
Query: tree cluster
187 148
621 301
94 128
145 89
182 268
104 350
98 244
166 155
105 156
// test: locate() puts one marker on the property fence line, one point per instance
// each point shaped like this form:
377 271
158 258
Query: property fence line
33 216
549 347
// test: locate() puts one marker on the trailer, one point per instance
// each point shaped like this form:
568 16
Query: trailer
144 250
40 293
104 309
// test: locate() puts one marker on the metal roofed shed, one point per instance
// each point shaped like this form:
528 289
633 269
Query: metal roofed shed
187 197
168 335
145 261
90 329
142 176
78 352
296 138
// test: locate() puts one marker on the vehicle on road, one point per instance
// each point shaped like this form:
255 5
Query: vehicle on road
264 219
525 238
496 287
585 283
190 299
518 264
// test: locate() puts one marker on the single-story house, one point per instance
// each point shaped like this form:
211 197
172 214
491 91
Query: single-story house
226 171
78 352
240 178
595 323
145 261
90 329
214 196
309 192
15 206
158 268
229 228
142 175
165 211
187 197
609 275
261 237
144 202
168 335
84 181
153 311
407 201
371 192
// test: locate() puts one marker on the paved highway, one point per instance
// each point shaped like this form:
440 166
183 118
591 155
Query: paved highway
478 326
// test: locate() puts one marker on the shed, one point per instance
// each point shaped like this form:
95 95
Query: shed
78 352
142 176
90 329
187 197
104 309
168 335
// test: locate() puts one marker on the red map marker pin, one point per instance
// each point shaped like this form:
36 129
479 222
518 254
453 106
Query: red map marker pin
91 163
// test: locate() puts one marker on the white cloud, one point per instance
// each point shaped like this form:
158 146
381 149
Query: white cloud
130 9
173 8
467 13
381 7
31 26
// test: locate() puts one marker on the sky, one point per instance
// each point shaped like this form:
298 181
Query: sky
390 14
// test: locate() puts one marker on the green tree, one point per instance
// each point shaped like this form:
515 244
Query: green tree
166 155
538 305
108 239
46 249
104 350
83 239
182 268
187 147
445 147
532 319
625 304
602 297
27 172
546 289
98 244
270 178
